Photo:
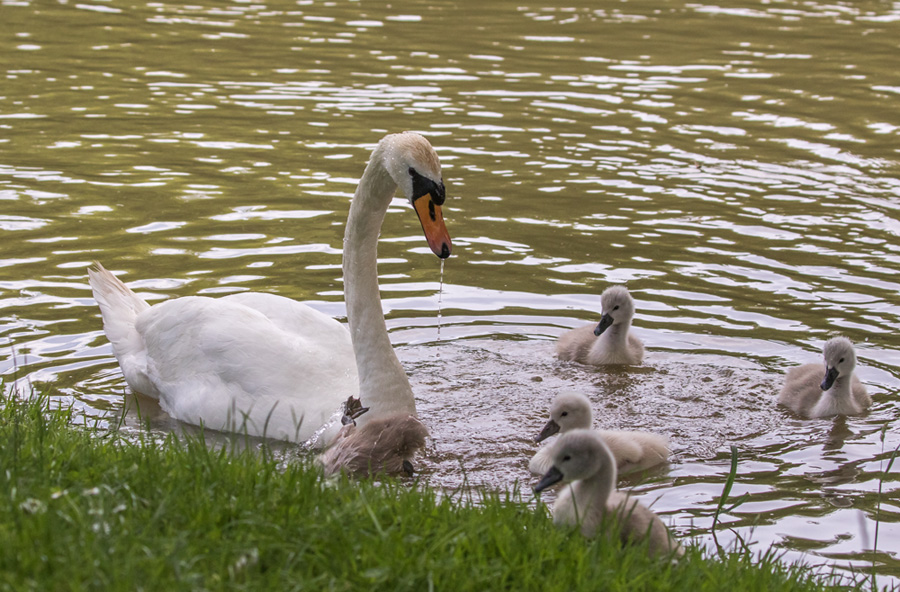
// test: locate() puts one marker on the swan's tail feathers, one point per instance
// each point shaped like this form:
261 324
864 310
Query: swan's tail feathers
119 307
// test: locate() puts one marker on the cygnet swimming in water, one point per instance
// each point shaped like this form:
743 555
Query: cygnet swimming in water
609 342
590 501
814 390
383 445
633 451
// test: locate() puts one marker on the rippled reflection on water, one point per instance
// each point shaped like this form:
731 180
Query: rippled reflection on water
736 166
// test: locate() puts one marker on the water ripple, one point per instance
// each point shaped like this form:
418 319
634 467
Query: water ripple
743 183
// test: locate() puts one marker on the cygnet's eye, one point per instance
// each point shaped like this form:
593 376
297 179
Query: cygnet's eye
841 361
566 457
616 307
564 413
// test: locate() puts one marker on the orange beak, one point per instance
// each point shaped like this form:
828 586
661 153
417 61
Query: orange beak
433 225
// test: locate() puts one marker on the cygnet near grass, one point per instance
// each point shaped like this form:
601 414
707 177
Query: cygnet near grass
590 501
384 445
814 390
633 451
609 342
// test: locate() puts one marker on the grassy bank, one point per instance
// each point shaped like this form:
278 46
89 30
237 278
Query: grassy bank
82 509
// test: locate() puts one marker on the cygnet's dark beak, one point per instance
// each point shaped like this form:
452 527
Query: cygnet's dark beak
831 375
550 428
552 477
605 322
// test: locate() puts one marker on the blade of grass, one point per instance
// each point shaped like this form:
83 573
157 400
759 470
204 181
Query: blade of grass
726 491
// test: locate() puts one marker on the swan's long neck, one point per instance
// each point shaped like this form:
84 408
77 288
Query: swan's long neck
383 386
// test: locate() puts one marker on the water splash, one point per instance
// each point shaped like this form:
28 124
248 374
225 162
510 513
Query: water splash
440 296
314 441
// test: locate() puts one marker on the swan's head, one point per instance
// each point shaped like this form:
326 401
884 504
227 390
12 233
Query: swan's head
840 360
577 455
568 411
618 307
414 166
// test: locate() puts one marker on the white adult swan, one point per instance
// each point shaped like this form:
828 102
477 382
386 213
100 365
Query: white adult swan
590 500
813 390
610 341
270 366
632 450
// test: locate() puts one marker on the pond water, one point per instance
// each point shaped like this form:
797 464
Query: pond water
735 164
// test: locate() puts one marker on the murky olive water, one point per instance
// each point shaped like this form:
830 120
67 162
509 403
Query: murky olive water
735 165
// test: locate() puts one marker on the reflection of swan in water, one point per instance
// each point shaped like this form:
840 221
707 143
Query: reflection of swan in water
582 460
814 390
609 342
632 450
269 365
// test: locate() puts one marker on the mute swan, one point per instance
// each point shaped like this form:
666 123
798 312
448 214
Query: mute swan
633 451
609 342
271 366
812 390
582 460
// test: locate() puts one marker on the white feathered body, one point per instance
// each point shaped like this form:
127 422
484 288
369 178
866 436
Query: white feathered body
802 394
613 342
255 363
617 345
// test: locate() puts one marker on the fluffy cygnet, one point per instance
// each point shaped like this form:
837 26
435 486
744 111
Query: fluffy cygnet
383 445
813 390
633 451
590 501
609 342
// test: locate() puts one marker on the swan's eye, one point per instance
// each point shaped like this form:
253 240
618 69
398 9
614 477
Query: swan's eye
424 186
841 361
566 457
564 413
616 307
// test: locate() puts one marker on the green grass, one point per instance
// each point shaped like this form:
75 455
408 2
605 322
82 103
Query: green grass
89 509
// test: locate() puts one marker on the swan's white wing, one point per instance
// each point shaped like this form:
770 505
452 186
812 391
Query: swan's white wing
296 318
230 366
